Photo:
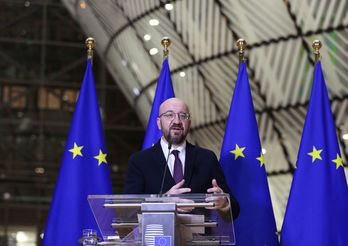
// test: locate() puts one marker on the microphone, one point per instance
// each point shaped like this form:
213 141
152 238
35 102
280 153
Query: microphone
166 166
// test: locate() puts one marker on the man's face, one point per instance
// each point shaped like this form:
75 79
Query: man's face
174 121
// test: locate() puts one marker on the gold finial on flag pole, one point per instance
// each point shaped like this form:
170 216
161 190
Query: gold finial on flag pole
165 43
241 44
316 46
90 48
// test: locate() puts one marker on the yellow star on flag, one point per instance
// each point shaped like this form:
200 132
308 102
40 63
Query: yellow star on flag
338 161
101 158
76 150
262 161
315 154
238 152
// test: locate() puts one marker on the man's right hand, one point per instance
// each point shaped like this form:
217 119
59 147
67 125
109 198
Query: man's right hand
176 189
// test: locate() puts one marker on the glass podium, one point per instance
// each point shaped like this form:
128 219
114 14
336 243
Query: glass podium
185 219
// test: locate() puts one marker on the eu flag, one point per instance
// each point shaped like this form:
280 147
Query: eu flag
84 171
317 210
243 164
164 91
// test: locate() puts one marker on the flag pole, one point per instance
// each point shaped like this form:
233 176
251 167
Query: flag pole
241 44
90 48
165 43
316 46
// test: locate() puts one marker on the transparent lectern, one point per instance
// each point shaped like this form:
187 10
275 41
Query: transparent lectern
171 220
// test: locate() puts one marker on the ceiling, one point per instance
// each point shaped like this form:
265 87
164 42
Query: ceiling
204 63
43 61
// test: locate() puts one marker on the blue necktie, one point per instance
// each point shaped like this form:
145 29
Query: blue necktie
177 173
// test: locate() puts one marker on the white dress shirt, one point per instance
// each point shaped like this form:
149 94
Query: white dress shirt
182 155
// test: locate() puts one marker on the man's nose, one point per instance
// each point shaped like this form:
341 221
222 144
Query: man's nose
176 118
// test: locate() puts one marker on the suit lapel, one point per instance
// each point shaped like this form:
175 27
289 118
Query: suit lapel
189 163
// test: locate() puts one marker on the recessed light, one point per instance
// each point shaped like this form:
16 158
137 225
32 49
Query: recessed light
153 51
168 6
7 195
154 22
115 168
83 4
182 74
264 151
136 91
147 37
345 136
22 237
40 170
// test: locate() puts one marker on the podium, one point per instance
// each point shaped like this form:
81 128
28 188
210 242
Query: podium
168 220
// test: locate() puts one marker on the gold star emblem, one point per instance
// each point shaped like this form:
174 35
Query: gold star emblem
262 161
101 158
315 154
238 152
338 161
76 150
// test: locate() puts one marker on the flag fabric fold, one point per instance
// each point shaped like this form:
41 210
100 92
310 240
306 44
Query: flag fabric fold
84 171
243 164
317 209
163 92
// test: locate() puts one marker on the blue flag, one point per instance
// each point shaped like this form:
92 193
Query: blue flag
243 164
317 210
164 91
84 171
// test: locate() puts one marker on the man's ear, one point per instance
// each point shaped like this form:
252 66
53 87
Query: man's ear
159 123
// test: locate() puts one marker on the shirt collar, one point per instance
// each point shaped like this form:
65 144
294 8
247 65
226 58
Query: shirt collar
164 146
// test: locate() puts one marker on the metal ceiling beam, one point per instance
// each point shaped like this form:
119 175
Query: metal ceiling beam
250 47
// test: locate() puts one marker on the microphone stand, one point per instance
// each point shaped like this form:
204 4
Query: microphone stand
165 168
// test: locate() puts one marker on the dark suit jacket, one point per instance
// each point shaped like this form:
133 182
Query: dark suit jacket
146 168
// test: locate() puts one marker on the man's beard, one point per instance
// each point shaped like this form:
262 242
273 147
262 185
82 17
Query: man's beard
177 139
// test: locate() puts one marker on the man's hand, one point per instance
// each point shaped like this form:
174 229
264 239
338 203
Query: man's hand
220 202
176 189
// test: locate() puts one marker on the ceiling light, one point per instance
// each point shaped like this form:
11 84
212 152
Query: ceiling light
182 74
154 22
147 37
22 237
124 62
40 170
153 51
82 4
65 98
7 195
345 136
136 91
264 151
114 168
168 6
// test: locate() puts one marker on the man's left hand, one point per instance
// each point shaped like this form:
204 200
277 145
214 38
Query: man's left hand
220 202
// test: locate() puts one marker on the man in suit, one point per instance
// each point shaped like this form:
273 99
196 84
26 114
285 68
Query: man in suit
190 168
